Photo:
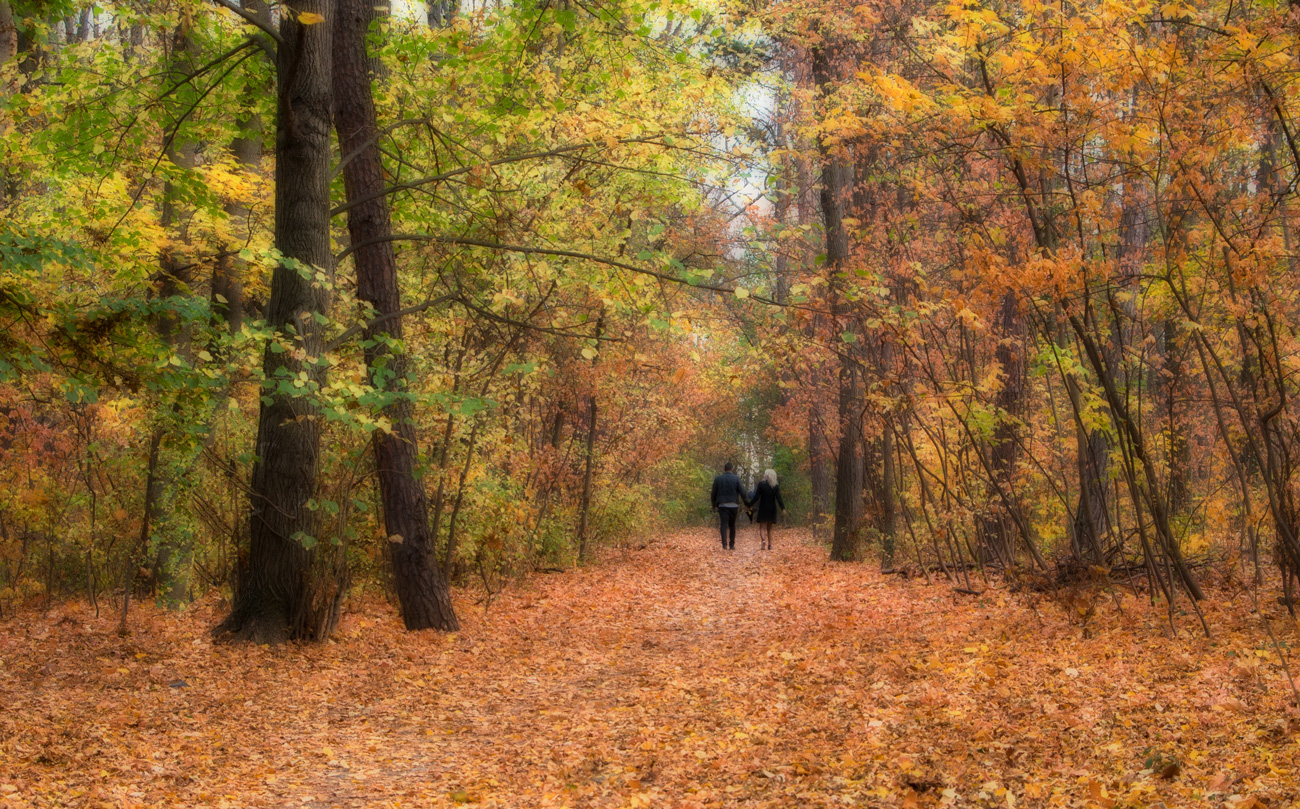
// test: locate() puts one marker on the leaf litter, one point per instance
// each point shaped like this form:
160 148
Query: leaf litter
677 675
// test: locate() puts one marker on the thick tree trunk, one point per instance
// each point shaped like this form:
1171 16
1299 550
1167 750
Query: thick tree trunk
421 590
1092 454
442 12
8 32
278 597
999 527
847 531
835 189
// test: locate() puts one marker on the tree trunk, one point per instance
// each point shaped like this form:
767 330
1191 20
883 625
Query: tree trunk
442 12
84 25
835 188
999 527
228 274
175 277
584 519
887 519
8 32
819 472
421 590
278 596
846 534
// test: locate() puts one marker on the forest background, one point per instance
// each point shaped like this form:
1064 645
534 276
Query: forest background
316 298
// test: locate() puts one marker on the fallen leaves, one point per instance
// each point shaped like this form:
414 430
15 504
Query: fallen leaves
674 676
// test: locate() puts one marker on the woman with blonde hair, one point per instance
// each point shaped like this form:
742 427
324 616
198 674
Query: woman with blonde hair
767 496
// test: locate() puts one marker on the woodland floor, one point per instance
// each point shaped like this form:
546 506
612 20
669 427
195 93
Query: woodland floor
677 675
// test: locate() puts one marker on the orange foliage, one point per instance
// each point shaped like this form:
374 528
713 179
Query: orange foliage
675 676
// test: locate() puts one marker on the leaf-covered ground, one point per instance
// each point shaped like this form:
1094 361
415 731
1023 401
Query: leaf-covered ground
677 675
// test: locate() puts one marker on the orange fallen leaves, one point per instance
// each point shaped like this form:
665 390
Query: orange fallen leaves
675 676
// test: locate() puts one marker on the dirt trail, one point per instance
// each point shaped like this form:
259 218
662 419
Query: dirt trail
678 675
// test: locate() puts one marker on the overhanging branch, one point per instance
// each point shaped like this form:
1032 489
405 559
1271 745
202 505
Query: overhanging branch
447 175
547 251
252 20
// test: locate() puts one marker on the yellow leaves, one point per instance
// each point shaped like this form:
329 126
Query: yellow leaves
230 181
507 299
899 92
310 18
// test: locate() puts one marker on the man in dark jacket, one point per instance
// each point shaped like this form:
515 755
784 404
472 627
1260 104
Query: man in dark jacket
728 496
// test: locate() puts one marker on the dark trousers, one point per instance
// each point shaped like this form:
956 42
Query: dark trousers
727 522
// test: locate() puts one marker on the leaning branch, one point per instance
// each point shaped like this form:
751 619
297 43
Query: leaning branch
252 20
546 251
447 175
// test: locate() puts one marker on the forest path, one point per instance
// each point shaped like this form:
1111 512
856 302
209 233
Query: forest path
677 675
605 682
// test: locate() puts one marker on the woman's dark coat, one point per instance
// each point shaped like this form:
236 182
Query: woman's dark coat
767 497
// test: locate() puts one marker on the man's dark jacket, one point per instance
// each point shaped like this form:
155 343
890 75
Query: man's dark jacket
727 488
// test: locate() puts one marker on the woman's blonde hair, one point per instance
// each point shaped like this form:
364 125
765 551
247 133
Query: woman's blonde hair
770 477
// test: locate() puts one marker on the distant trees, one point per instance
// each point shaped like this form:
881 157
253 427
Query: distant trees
1075 253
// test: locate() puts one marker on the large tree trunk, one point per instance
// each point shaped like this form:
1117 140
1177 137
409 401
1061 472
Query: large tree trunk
278 596
836 186
421 590
442 12
8 32
847 531
999 526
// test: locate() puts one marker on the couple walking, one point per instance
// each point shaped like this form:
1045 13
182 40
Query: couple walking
729 495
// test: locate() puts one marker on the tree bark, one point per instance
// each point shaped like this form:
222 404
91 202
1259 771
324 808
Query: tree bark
175 277
277 596
228 274
8 32
442 12
999 527
847 530
421 590
584 519
835 188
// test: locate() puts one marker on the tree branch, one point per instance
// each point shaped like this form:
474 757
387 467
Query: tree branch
559 150
546 251
356 328
252 20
